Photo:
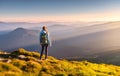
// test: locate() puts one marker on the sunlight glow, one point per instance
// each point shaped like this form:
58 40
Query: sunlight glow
102 16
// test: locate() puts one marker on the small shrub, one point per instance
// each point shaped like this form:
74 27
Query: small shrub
32 66
22 51
4 67
18 63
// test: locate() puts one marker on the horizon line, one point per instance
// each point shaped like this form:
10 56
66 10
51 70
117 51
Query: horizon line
56 21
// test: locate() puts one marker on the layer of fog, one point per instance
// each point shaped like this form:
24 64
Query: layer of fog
77 38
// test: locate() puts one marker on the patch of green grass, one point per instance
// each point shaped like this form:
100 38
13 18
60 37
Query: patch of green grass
18 63
6 67
53 67
32 66
22 51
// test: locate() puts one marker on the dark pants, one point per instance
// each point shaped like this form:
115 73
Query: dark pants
44 47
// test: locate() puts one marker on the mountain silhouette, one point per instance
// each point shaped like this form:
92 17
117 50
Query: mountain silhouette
18 38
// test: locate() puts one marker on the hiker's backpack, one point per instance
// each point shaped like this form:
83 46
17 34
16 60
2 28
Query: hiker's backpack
44 38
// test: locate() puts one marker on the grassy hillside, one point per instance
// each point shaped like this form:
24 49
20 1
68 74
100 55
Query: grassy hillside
25 63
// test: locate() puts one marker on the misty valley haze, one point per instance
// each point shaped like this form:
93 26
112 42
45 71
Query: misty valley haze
69 40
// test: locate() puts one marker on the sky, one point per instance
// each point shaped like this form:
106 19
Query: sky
59 10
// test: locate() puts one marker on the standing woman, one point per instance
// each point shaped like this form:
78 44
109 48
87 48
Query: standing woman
44 41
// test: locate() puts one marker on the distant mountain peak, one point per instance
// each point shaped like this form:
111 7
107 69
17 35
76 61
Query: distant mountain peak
23 32
20 29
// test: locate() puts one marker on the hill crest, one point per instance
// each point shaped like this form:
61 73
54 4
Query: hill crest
25 63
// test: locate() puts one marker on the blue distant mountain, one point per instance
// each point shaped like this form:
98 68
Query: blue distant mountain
19 37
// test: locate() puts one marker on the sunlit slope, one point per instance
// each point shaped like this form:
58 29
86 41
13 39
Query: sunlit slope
25 63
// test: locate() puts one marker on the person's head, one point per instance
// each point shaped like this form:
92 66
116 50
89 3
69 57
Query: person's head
44 28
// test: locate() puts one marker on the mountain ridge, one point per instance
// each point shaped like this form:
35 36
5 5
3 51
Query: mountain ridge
17 38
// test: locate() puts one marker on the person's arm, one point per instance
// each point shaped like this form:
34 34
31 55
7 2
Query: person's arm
40 38
49 40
